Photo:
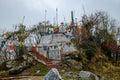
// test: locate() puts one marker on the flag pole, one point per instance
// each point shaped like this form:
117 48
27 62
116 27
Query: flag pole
57 16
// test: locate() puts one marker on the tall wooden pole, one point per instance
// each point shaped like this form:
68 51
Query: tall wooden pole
45 16
23 19
73 25
56 16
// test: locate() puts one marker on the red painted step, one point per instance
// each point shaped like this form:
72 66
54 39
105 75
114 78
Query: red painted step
49 63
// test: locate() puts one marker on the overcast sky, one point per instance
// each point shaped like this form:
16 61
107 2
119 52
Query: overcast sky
12 11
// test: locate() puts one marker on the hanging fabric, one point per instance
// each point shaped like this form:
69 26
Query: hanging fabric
18 34
11 47
48 30
27 46
44 48
50 46
33 48
3 35
21 45
67 36
39 46
16 46
2 44
69 44
55 46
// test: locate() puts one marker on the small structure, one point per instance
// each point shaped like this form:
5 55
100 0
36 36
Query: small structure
55 45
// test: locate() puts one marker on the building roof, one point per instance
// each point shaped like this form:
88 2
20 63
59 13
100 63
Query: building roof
53 38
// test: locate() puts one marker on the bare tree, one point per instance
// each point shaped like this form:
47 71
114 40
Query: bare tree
98 26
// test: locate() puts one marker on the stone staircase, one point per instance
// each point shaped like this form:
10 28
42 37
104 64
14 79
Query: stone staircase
40 58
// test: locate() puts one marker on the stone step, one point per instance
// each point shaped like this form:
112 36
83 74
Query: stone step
48 62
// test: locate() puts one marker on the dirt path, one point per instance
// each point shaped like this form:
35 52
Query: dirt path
33 78
24 78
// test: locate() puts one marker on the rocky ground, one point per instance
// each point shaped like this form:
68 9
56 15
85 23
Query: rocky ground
70 69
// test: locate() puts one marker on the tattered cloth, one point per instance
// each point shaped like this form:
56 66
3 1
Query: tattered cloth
11 47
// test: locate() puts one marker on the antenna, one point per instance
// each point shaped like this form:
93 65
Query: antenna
83 9
57 16
76 22
23 19
118 31
64 19
14 27
54 21
45 16
72 18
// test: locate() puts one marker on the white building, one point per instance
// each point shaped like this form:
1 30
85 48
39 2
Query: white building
54 46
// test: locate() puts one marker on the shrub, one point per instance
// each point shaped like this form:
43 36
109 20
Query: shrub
3 66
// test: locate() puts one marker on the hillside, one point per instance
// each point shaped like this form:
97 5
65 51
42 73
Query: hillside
90 49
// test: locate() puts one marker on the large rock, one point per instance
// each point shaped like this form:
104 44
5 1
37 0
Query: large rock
86 75
71 75
53 74
16 70
11 64
75 64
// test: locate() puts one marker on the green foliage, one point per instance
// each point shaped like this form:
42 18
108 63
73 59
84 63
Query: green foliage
3 66
39 66
21 49
97 29
89 48
103 24
19 59
79 56
21 27
4 74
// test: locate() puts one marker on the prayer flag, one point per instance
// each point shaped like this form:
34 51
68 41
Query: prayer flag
11 47
44 48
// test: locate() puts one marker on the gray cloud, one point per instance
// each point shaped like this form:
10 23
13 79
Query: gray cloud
12 11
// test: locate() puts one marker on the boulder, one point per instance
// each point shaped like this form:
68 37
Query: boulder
86 75
30 59
25 57
11 64
16 70
71 75
75 64
38 71
53 74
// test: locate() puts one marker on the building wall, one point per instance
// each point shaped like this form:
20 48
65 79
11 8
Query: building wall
54 54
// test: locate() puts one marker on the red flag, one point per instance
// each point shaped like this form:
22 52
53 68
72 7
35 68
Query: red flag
11 47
